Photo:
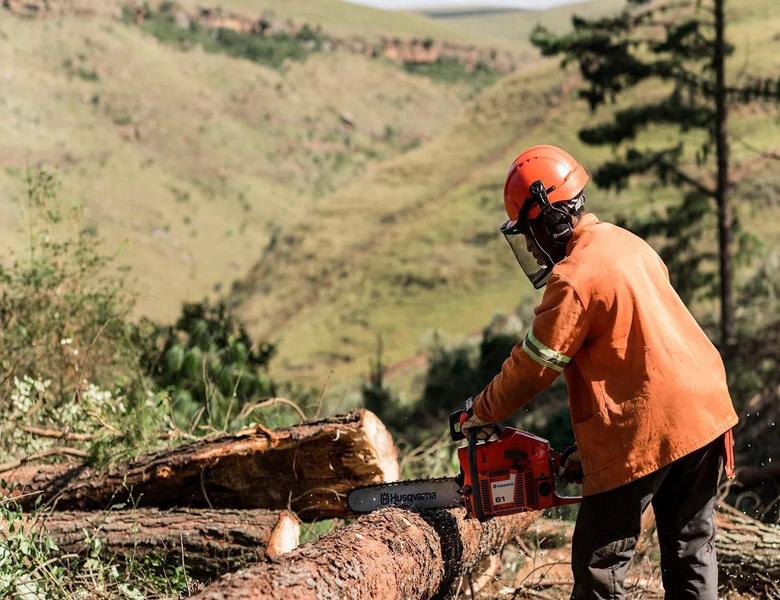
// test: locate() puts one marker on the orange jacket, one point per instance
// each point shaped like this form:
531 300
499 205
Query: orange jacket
645 384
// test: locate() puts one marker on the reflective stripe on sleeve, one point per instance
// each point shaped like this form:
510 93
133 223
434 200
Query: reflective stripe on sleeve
547 357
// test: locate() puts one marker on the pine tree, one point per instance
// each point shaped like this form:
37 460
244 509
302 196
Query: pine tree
681 45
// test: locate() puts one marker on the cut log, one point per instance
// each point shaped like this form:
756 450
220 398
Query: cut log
392 554
208 542
307 468
748 552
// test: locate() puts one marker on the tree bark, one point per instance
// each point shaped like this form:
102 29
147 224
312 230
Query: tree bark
748 553
392 554
307 468
725 217
208 543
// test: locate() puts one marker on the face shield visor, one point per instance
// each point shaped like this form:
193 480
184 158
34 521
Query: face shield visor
536 263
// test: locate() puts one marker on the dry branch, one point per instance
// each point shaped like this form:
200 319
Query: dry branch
56 434
391 554
208 542
47 453
307 468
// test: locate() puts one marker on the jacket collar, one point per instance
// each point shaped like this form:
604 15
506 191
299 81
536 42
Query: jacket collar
585 224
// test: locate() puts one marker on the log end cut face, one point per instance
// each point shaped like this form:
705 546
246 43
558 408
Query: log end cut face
285 535
385 453
309 468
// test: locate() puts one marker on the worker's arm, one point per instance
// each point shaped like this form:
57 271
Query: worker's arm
557 332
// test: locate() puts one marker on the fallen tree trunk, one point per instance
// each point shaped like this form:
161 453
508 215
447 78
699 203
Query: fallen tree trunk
748 553
748 550
392 554
307 468
208 542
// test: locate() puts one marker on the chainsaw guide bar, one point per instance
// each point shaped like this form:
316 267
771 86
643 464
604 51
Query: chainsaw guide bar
419 494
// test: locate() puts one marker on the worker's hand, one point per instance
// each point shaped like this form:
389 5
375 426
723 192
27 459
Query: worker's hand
468 420
570 466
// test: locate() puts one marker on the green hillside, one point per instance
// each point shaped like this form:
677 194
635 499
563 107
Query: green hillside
412 247
347 197
189 161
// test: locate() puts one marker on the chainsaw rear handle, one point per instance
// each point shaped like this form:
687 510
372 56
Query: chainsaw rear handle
570 472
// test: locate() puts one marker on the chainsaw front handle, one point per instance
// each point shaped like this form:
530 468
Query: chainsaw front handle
479 512
459 417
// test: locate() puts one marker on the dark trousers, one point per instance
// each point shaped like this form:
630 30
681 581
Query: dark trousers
608 527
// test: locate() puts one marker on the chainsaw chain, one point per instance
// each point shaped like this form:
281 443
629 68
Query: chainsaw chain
377 486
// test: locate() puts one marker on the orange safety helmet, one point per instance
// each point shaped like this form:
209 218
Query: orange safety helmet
537 230
562 175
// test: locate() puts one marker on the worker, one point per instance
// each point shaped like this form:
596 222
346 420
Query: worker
648 399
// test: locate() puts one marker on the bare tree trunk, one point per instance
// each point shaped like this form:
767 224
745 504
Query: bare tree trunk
391 554
725 217
308 468
207 542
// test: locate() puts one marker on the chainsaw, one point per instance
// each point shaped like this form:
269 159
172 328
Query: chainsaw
513 471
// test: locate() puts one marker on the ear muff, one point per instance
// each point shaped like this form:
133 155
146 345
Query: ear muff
558 224
557 221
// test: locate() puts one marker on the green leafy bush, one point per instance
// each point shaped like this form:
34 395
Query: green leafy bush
456 373
66 357
72 361
210 366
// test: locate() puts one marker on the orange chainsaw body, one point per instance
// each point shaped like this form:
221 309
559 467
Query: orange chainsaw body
514 473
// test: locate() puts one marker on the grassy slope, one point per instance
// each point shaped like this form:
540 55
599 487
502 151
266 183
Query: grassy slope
412 246
188 161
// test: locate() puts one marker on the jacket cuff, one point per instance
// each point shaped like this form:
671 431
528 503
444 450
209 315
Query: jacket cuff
480 410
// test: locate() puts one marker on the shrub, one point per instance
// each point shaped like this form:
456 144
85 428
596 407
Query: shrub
211 368
66 358
456 373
